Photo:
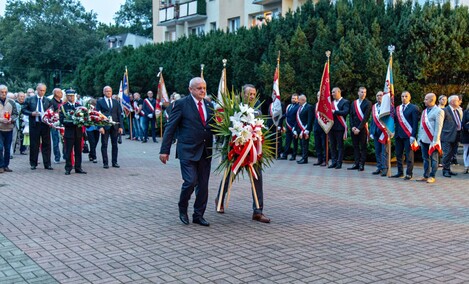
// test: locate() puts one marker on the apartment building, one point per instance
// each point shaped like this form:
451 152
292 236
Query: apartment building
173 19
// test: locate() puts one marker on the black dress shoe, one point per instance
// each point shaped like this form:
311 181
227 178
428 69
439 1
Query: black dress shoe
399 175
67 173
23 153
377 172
33 167
282 158
317 163
446 174
80 171
332 166
293 158
408 177
354 167
300 162
383 174
184 218
116 165
201 221
106 166
95 161
453 173
361 168
49 168
339 166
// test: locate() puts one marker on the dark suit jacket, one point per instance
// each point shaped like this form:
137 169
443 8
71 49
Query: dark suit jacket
306 117
146 109
374 129
465 127
449 132
343 108
290 114
30 106
193 137
365 106
412 115
71 130
115 112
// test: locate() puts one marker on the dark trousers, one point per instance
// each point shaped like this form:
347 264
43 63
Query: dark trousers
72 144
40 135
381 154
320 145
359 147
55 135
336 139
289 138
196 176
258 184
403 146
5 146
449 151
112 133
146 120
304 148
93 138
430 162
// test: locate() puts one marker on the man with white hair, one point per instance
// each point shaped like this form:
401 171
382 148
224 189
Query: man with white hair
451 133
54 133
8 116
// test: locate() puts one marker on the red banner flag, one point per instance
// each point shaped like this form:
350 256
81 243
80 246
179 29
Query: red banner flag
324 112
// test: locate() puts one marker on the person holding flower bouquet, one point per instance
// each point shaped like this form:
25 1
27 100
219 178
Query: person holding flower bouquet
73 134
191 118
249 97
8 116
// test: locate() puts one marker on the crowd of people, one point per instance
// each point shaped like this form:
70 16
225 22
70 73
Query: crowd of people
437 130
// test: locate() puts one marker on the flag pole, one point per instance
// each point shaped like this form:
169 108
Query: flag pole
276 126
128 94
328 54
388 146
161 116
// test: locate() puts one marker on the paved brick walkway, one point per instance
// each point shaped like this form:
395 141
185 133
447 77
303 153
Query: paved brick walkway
329 226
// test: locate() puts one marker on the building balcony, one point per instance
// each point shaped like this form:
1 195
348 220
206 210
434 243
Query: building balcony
187 11
265 2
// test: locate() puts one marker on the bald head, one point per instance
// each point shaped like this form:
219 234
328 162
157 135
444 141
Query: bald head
430 100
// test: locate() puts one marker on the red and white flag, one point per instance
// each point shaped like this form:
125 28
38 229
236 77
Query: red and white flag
276 106
324 109
162 94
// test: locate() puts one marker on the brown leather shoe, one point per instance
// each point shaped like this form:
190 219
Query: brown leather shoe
260 217
222 209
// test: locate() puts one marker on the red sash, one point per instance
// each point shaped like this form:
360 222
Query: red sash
148 103
429 131
383 138
300 124
405 125
360 115
286 121
341 120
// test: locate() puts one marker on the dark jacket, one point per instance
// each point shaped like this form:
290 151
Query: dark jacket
30 106
115 113
365 106
343 108
449 132
412 115
71 130
465 127
306 116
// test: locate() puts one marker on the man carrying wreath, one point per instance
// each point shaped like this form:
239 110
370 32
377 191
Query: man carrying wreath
248 97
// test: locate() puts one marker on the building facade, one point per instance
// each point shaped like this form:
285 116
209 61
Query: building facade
173 19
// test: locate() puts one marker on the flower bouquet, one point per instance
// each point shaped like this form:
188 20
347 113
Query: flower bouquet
51 118
246 146
83 116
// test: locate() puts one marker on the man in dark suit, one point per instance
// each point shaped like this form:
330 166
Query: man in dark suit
39 132
249 96
148 112
112 109
191 118
338 132
290 122
407 124
451 133
359 115
304 125
73 134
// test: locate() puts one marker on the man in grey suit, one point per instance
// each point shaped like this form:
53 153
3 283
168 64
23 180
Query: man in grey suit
429 137
451 133
191 118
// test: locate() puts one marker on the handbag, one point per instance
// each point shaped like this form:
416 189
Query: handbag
86 149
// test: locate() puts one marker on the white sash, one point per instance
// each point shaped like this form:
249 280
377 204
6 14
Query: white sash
148 103
403 121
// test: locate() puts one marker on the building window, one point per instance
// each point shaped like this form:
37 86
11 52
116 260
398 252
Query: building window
233 24
198 30
213 26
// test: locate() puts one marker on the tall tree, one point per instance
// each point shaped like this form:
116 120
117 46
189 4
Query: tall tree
137 16
41 39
